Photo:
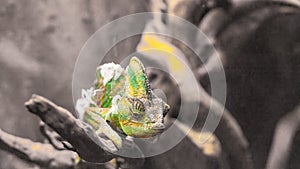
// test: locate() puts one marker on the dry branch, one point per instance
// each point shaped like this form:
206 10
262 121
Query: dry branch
43 155
285 132
69 128
229 133
51 136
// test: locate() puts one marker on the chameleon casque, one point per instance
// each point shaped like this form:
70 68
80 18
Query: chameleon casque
124 99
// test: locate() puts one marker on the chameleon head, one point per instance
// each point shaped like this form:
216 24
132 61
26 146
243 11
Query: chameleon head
140 112
140 117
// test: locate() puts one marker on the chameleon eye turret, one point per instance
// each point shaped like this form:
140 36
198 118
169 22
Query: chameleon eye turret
124 100
138 105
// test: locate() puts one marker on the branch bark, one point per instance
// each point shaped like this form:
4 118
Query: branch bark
285 132
43 155
51 136
69 128
229 132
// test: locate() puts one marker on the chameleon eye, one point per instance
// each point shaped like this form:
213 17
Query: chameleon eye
138 105
137 110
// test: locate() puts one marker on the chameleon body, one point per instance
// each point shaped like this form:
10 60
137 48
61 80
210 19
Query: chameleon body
124 99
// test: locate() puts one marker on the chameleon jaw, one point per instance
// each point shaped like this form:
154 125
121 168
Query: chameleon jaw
158 126
142 130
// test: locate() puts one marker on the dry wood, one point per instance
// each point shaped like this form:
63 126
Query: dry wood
43 155
285 132
69 128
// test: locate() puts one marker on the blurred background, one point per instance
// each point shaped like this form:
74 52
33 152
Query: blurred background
259 41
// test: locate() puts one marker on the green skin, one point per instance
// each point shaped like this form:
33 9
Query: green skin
127 104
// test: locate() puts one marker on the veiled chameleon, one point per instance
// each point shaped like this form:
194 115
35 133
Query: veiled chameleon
124 99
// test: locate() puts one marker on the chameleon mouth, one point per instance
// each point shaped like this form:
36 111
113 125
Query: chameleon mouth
159 126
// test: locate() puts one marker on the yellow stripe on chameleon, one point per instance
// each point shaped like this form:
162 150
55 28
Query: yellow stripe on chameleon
128 123
140 92
150 41
136 93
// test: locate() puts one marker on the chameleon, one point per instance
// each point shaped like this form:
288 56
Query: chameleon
124 99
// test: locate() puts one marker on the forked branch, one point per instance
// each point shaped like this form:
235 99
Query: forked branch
43 155
69 128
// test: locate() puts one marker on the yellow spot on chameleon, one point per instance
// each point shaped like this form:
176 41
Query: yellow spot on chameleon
129 123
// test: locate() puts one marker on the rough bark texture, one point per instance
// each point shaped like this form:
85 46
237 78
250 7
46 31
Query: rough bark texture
69 128
43 155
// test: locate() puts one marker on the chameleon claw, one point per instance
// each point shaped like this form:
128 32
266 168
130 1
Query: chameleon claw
129 138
